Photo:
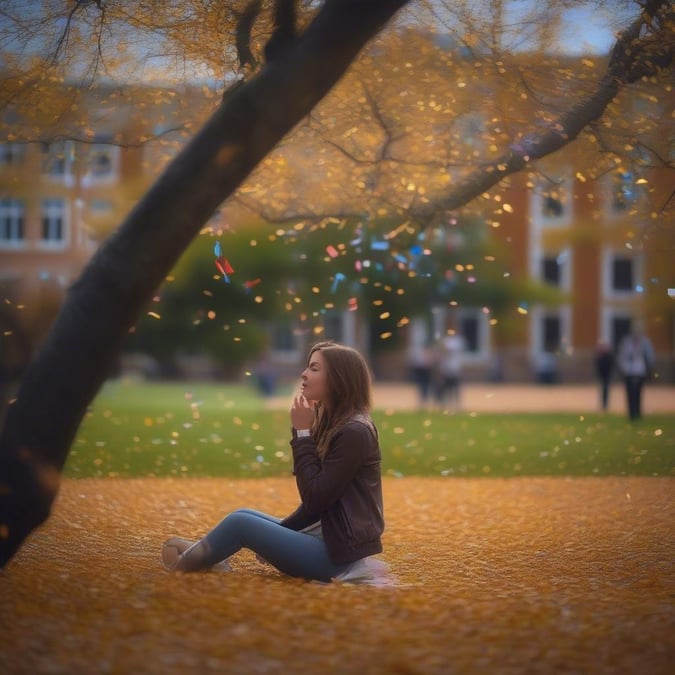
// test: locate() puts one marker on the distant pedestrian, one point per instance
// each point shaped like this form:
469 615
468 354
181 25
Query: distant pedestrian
450 358
635 359
420 359
604 367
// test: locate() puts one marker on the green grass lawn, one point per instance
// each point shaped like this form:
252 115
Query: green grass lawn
198 429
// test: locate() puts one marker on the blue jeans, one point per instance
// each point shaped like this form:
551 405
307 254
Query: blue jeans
294 553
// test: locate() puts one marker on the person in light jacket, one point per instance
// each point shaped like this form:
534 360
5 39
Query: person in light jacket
635 359
338 525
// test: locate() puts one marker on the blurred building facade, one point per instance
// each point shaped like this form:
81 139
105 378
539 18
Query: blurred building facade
592 239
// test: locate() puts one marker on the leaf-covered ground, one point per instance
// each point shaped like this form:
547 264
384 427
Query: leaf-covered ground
495 576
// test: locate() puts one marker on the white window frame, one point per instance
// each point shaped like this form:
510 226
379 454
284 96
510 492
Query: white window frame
11 154
14 210
564 259
564 313
608 258
55 208
538 218
91 177
53 152
483 319
607 317
608 197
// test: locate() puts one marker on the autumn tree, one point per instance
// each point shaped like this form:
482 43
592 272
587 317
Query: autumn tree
436 124
105 302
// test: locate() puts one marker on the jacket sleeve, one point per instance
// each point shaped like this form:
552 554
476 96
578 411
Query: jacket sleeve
299 519
321 484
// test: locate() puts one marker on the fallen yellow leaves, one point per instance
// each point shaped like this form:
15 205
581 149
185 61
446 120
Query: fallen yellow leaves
496 576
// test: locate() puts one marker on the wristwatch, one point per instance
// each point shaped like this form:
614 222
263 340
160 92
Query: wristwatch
302 433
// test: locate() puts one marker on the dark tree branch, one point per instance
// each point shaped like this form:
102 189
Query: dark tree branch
63 39
87 140
632 58
245 22
284 29
291 219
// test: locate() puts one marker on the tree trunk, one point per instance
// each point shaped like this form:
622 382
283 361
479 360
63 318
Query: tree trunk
105 302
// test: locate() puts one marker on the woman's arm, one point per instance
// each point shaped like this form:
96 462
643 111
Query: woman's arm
321 484
300 519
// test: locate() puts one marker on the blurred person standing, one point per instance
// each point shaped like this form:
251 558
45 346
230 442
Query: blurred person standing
420 361
604 367
635 360
450 358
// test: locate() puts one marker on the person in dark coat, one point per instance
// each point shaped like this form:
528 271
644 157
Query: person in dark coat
604 368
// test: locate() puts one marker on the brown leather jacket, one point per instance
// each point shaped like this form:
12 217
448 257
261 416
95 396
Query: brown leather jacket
344 491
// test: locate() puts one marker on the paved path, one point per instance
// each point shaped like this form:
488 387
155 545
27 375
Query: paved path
505 397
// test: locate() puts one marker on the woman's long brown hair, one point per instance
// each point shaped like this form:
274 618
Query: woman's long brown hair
349 386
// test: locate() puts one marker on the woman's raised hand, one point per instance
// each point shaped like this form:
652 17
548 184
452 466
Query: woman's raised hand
302 412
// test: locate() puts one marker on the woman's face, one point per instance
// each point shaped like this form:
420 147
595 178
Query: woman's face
315 379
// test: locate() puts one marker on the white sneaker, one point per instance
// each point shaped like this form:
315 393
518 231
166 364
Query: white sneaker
369 571
172 550
174 547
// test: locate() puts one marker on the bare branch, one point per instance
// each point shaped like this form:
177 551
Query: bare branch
63 40
245 22
632 58
284 29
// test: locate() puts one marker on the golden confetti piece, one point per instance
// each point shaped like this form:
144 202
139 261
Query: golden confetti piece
154 315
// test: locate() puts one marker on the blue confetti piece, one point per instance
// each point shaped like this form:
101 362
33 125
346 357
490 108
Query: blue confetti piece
338 278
